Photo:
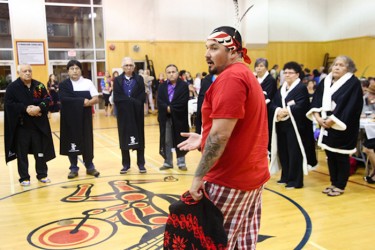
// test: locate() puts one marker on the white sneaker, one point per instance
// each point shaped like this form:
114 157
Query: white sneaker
25 183
45 180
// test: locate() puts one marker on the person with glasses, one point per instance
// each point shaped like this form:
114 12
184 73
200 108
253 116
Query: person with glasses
77 95
292 140
336 106
26 126
129 98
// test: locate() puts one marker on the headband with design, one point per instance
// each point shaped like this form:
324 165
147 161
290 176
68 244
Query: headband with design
223 38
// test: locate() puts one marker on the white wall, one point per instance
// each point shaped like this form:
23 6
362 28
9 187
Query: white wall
268 20
349 18
193 20
255 25
187 20
28 19
297 20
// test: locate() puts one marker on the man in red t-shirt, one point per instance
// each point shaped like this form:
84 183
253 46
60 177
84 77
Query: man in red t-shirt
234 165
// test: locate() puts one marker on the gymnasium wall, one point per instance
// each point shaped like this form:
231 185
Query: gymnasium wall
170 31
301 30
190 55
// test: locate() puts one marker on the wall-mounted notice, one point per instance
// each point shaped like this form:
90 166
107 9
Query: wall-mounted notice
31 53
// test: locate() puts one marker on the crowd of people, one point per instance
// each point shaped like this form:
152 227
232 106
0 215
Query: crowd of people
273 124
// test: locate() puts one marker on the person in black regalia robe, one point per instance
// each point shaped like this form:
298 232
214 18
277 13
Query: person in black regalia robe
26 126
336 106
269 86
77 96
293 143
129 97
173 97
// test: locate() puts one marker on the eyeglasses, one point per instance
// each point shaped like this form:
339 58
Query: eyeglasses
128 65
289 73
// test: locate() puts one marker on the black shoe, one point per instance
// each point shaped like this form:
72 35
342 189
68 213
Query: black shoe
164 167
369 180
124 170
142 169
182 168
72 175
93 172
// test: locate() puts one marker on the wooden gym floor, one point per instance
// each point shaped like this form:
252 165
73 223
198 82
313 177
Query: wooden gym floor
128 211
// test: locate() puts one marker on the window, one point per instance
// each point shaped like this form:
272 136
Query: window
59 29
4 27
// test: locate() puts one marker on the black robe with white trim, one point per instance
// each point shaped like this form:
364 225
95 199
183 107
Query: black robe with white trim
344 109
269 87
297 102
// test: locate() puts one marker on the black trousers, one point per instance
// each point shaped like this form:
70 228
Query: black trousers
30 140
140 158
289 154
339 169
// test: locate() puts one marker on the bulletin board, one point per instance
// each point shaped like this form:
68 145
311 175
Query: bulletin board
32 53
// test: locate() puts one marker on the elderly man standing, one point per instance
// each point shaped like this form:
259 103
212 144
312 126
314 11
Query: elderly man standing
129 97
234 165
77 96
27 129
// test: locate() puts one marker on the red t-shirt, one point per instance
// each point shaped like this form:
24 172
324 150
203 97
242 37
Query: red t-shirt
237 94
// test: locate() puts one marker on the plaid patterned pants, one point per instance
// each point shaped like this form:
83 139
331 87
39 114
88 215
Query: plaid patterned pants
241 211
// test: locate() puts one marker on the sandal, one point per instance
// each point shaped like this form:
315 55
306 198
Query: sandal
335 192
369 180
328 189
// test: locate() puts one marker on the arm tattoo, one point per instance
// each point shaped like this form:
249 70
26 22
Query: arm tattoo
212 151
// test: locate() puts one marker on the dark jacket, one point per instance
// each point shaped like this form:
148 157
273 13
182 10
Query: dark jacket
76 129
301 104
205 85
130 113
349 103
179 114
17 98
269 86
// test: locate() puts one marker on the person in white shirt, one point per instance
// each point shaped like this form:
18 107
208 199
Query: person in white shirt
78 95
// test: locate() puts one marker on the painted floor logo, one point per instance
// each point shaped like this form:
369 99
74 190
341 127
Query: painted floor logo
128 214
135 208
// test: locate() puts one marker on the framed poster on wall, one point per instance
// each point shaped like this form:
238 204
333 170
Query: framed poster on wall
31 53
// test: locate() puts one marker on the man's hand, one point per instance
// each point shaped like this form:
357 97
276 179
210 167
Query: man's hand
193 142
196 188
86 103
33 110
